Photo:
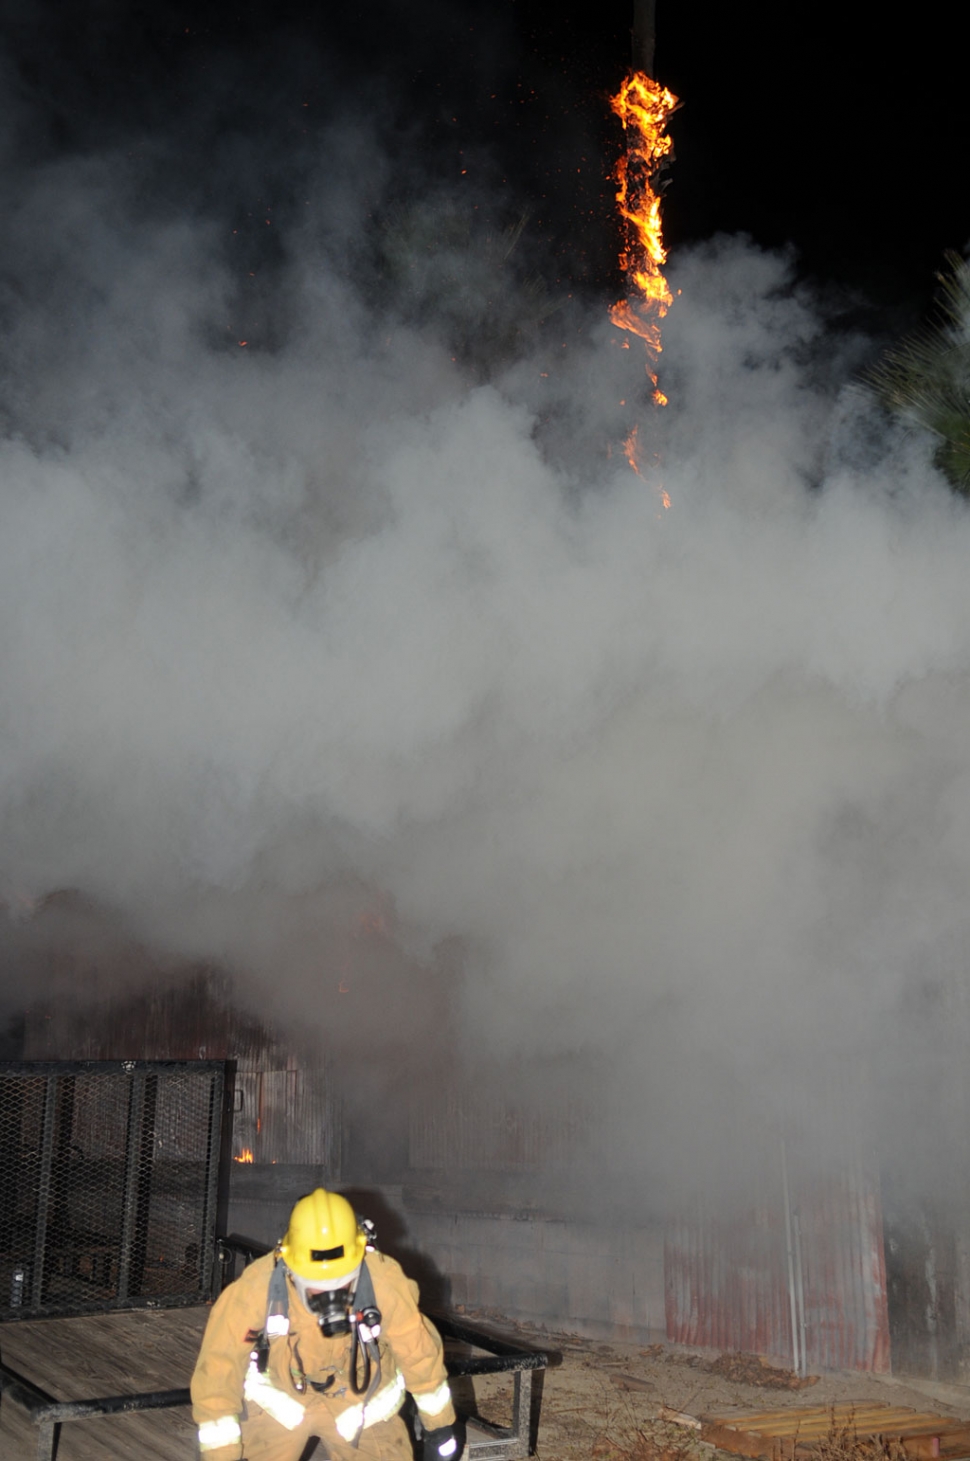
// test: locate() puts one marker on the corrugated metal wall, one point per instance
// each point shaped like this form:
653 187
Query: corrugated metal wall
727 1280
843 1255
287 1116
725 1284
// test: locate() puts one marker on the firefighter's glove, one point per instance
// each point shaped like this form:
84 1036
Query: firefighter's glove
442 1444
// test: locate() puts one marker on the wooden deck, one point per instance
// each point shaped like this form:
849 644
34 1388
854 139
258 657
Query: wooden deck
105 1354
142 1350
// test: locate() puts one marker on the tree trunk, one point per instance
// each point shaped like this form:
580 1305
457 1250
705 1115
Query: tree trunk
644 35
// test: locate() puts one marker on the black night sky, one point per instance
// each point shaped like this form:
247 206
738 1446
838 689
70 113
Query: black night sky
842 137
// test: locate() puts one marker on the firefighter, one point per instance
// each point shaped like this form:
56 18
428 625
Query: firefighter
321 1338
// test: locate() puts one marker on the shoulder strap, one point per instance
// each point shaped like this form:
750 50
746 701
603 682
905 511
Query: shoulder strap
364 1292
277 1303
277 1319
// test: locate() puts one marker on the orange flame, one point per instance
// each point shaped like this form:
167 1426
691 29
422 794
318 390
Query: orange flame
631 450
245 1156
644 107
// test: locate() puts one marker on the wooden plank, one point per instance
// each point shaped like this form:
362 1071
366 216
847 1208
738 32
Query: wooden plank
859 1415
788 1414
739 1442
166 1435
919 1446
106 1354
916 1425
791 1413
922 1445
864 1425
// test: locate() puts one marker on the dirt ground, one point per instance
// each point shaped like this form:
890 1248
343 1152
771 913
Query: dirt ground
605 1401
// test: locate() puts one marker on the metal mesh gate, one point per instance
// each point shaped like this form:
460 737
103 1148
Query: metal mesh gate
109 1180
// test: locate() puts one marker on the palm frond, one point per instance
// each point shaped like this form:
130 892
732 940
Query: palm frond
926 379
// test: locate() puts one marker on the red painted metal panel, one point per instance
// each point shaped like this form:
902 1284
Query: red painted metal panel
725 1284
727 1278
844 1273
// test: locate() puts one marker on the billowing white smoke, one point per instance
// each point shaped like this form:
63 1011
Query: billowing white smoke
692 785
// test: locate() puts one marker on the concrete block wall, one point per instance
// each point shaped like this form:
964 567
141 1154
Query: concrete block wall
261 1196
562 1274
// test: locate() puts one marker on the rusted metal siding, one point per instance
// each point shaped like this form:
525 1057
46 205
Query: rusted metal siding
843 1256
287 1110
287 1116
725 1283
726 1280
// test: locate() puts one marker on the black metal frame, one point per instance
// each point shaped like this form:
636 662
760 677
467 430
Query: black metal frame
143 1086
502 1357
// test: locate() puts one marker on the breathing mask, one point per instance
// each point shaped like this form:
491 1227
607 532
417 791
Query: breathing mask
330 1304
332 1311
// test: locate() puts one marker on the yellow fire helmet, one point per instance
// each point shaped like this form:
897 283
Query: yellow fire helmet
324 1243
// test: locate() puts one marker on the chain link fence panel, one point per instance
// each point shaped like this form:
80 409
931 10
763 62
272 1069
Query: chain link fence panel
110 1176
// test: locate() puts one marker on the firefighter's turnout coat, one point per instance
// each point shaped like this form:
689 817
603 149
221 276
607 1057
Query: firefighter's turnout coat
306 1370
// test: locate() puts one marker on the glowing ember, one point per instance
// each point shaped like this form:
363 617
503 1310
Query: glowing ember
644 107
244 1156
630 450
